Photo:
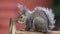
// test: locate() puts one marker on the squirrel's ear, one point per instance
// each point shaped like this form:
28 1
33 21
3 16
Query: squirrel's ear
21 7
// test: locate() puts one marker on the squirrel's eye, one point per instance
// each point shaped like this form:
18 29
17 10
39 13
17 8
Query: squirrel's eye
21 17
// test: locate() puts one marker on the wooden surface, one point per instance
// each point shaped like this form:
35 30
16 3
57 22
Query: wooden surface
12 26
26 32
54 32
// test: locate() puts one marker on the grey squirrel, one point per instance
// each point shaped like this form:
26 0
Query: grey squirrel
38 19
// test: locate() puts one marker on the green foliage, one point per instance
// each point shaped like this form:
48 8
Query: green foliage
56 7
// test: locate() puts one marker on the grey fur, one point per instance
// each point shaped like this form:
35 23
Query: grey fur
40 18
37 20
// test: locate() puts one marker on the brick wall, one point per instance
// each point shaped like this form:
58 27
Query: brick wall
7 10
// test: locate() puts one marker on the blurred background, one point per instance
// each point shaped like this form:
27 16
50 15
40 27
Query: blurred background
8 8
56 10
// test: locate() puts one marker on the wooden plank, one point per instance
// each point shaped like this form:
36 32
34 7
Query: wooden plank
54 32
12 26
26 32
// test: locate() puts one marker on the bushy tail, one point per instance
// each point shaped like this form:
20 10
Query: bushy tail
50 15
